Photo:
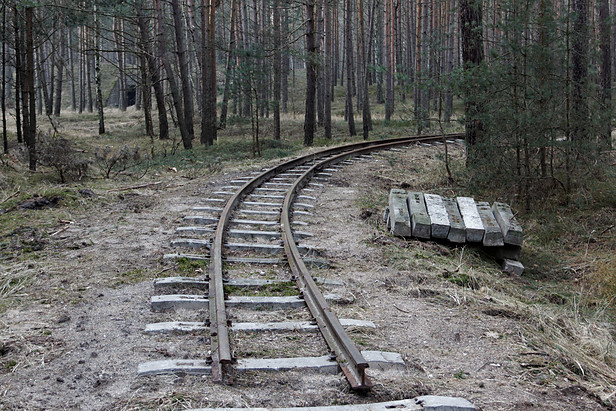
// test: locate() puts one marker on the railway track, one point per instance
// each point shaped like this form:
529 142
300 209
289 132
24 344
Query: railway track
266 208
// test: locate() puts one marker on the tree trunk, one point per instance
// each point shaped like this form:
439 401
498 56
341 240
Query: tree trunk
398 63
284 70
153 73
472 57
60 67
30 125
97 55
119 34
37 86
82 78
390 58
424 106
208 72
222 124
187 95
327 71
449 65
277 69
380 54
72 68
605 72
366 116
349 69
43 80
4 83
579 60
175 92
311 73
88 46
146 95
18 76
418 71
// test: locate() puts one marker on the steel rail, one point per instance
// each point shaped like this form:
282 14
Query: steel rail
221 357
351 361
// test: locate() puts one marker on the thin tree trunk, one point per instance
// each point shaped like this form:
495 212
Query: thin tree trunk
99 93
51 57
146 95
119 40
18 77
187 95
4 83
208 72
82 78
380 54
349 69
390 58
153 73
605 72
37 86
222 124
311 73
543 73
366 116
320 71
60 78
418 71
277 69
327 71
175 92
579 99
43 80
398 64
449 65
72 68
88 62
193 53
424 107
247 88
284 70
30 136
472 56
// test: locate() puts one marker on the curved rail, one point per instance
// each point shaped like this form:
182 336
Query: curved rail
351 361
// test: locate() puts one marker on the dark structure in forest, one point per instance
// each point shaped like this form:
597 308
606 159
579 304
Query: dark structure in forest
131 93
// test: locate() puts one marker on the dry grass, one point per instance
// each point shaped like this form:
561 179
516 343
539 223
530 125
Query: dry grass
565 303
14 280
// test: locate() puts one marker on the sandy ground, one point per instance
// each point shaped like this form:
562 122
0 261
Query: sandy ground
75 337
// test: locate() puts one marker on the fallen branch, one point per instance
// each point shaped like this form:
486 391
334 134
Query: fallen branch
162 271
394 181
401 310
11 196
136 187
68 224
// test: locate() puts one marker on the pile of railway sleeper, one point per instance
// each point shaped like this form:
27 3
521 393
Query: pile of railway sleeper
457 220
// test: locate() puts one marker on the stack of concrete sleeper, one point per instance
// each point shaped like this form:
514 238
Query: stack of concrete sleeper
457 220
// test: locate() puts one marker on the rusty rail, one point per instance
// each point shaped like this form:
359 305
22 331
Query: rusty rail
350 359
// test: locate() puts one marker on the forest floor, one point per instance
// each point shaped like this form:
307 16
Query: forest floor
76 281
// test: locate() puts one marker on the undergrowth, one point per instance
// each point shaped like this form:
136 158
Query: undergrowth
565 301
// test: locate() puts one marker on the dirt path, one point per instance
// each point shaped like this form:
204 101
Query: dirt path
76 338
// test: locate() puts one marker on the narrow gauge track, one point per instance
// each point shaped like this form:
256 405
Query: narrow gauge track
288 179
